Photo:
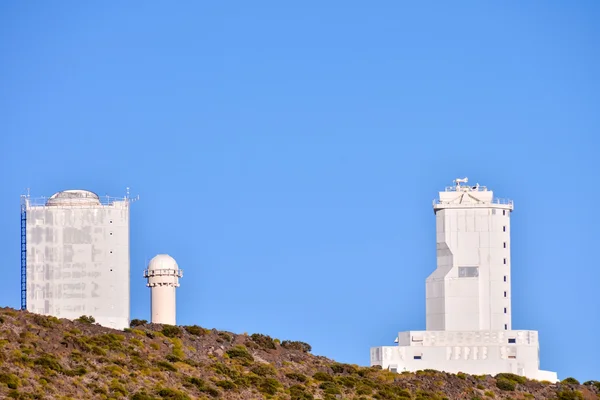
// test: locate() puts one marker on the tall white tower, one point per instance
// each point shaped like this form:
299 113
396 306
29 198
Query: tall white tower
468 308
163 275
470 289
75 256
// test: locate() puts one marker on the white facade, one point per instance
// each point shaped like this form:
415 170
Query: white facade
77 257
163 275
468 307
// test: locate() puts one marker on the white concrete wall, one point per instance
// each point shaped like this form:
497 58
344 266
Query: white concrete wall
471 232
78 262
473 352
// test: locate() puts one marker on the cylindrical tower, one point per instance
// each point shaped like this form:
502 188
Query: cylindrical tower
163 275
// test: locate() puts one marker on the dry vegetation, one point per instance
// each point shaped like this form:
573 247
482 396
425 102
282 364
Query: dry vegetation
46 358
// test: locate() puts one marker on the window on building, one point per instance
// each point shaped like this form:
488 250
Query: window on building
111 221
504 228
505 261
503 212
504 278
394 370
417 357
111 234
504 310
505 327
494 212
504 244
468 272
505 293
512 340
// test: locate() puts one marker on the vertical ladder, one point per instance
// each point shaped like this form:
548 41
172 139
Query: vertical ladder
23 254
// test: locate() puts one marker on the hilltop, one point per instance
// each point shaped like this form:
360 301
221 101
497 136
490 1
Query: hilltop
47 358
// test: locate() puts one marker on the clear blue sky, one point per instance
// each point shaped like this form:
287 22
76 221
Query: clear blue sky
287 154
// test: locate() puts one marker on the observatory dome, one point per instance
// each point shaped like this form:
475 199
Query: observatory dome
73 197
162 261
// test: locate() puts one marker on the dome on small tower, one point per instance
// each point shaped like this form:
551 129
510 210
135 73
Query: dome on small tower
162 261
73 197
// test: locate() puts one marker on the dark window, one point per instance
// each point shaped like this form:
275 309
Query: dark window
504 310
504 243
111 221
505 327
417 357
111 234
111 252
505 261
503 212
505 294
512 340
504 278
503 228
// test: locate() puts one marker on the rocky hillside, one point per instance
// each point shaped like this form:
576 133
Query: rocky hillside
47 358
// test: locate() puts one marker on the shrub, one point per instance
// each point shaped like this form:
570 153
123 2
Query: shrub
461 375
196 330
295 345
240 353
50 362
172 394
512 377
296 376
224 336
263 369
568 394
172 358
171 331
143 396
204 387
86 319
298 392
330 388
167 366
596 384
505 384
323 376
263 341
570 381
227 385
269 386
11 381
339 368
348 381
137 322
488 393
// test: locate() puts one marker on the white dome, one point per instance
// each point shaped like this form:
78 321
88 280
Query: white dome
73 197
162 261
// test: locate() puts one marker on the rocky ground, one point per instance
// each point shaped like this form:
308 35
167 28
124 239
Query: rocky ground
47 358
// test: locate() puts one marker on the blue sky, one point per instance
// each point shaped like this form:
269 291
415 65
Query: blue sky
287 154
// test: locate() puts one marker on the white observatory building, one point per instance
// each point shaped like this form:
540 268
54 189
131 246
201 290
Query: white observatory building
468 296
163 275
75 256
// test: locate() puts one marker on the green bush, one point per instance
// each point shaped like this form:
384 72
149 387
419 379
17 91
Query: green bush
269 386
596 384
240 353
461 375
570 381
171 331
489 393
511 377
263 341
298 392
50 362
167 366
568 394
172 394
339 368
323 376
143 396
196 330
296 376
505 384
263 369
226 385
137 322
11 381
295 345
86 319
330 388
202 386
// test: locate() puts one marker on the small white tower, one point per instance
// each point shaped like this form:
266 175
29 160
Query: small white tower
163 275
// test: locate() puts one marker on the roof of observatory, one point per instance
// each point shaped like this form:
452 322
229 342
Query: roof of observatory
162 261
462 195
73 197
